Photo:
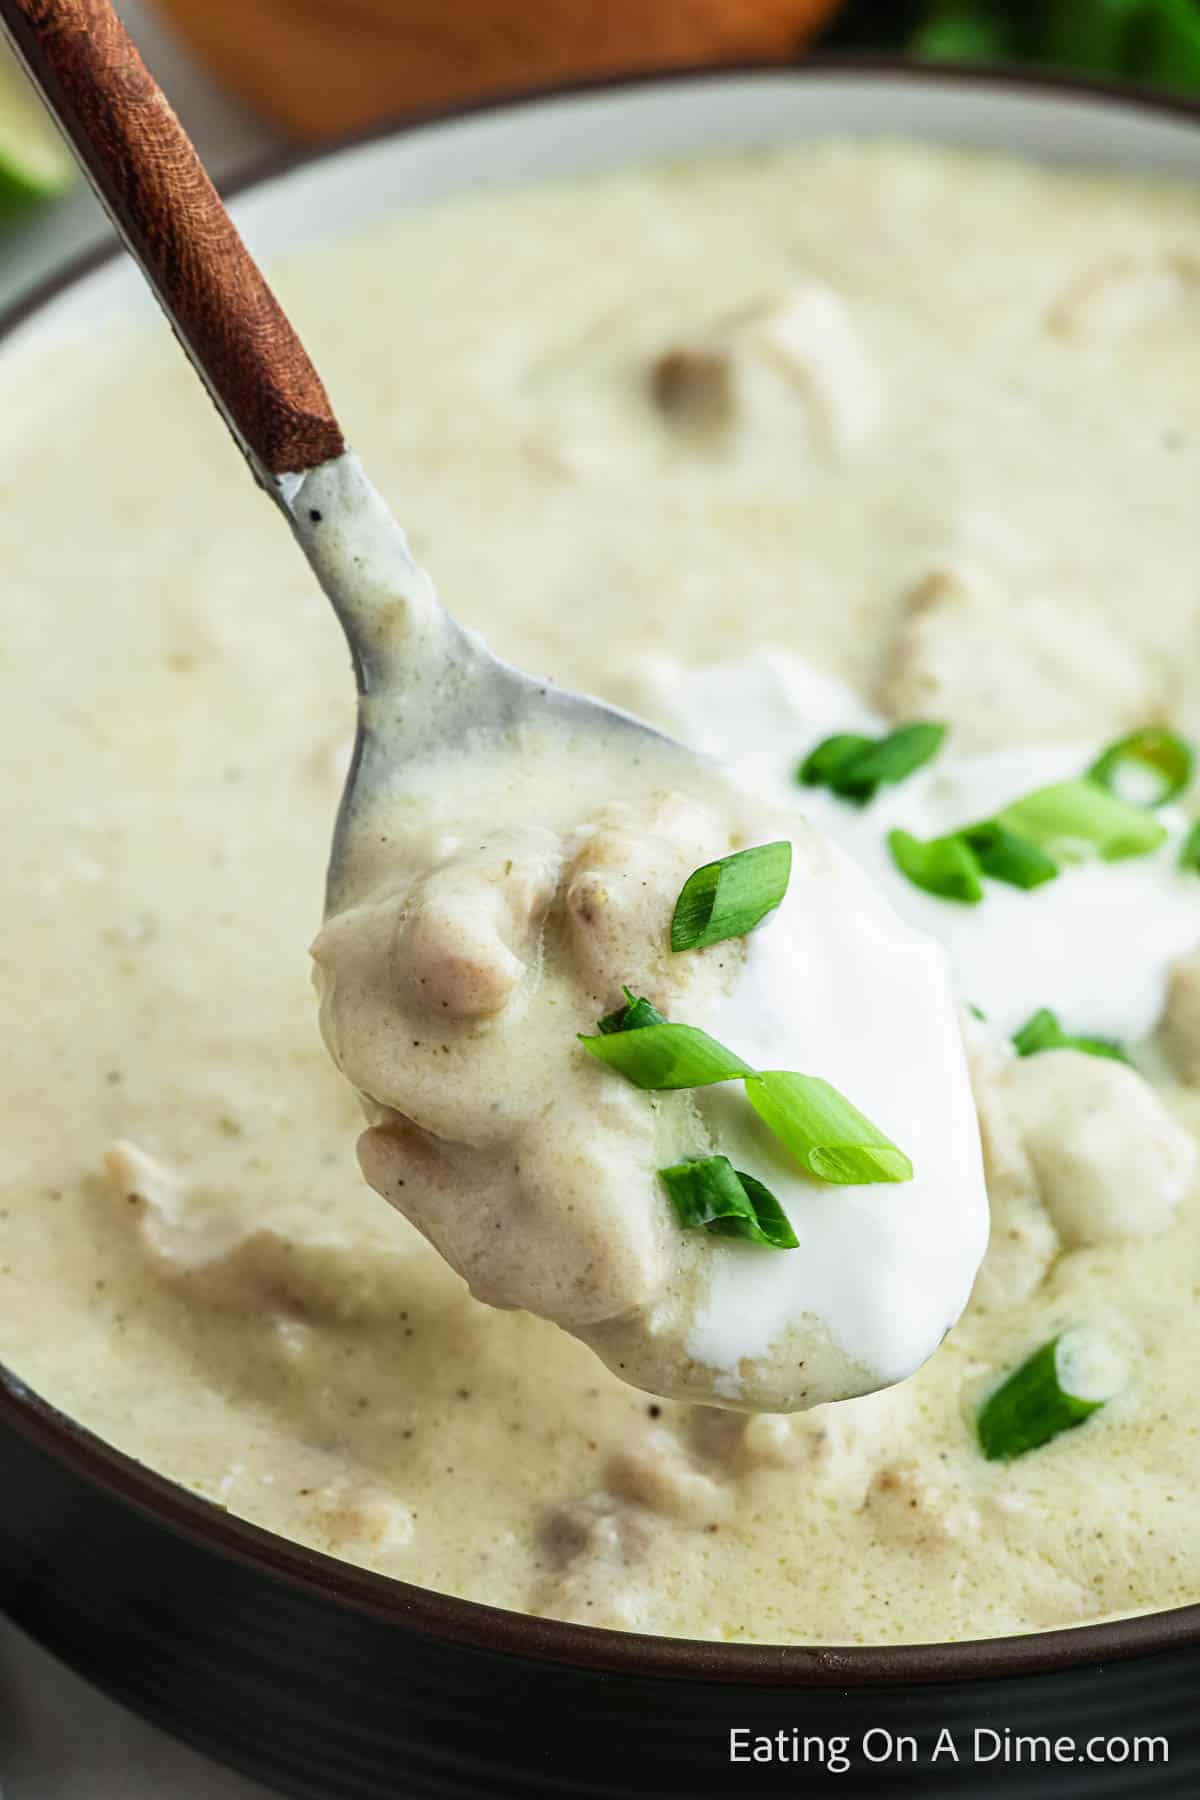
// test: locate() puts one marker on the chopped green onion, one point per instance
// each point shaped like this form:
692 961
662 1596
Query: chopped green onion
667 1056
726 899
822 767
709 1192
1189 850
893 758
829 1136
1006 857
856 767
1154 761
1014 846
823 1131
1082 812
635 1015
945 866
1043 1032
976 1012
1049 1393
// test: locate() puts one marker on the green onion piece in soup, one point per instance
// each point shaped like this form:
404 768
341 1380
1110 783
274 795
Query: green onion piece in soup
1043 1032
945 866
834 756
856 767
1082 813
710 1193
1009 858
1056 1389
1189 850
1016 845
636 1013
817 1124
662 1057
728 898
1147 768
831 1138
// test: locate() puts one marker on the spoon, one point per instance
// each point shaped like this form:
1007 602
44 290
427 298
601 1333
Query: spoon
423 681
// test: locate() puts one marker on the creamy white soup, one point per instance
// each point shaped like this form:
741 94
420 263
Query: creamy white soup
769 448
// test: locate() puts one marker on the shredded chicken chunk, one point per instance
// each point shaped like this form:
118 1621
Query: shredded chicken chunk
620 888
1123 293
753 367
193 1244
598 1254
1023 1241
1109 1160
966 642
657 1473
904 1503
595 1546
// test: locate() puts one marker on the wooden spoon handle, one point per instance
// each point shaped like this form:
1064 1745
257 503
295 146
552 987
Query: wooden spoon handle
147 174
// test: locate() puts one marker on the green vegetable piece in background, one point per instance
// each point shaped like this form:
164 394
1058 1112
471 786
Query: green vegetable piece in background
1166 44
1092 35
35 164
855 767
1155 41
945 866
965 31
1043 1032
1082 812
823 766
1009 858
1159 762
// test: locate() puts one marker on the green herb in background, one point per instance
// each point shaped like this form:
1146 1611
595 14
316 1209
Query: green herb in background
35 164
965 33
1156 41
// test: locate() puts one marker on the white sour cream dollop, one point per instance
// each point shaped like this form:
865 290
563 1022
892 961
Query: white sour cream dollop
852 994
1094 945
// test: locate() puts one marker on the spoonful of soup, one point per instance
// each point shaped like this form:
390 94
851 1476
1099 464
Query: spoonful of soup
636 1052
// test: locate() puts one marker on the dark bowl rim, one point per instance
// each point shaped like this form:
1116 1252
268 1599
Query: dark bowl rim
468 1623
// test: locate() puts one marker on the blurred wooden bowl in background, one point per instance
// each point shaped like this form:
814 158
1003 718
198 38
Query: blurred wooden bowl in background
316 67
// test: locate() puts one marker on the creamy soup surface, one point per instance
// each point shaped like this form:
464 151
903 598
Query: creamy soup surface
765 447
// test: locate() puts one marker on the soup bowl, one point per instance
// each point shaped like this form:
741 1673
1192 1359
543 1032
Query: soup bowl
327 1680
